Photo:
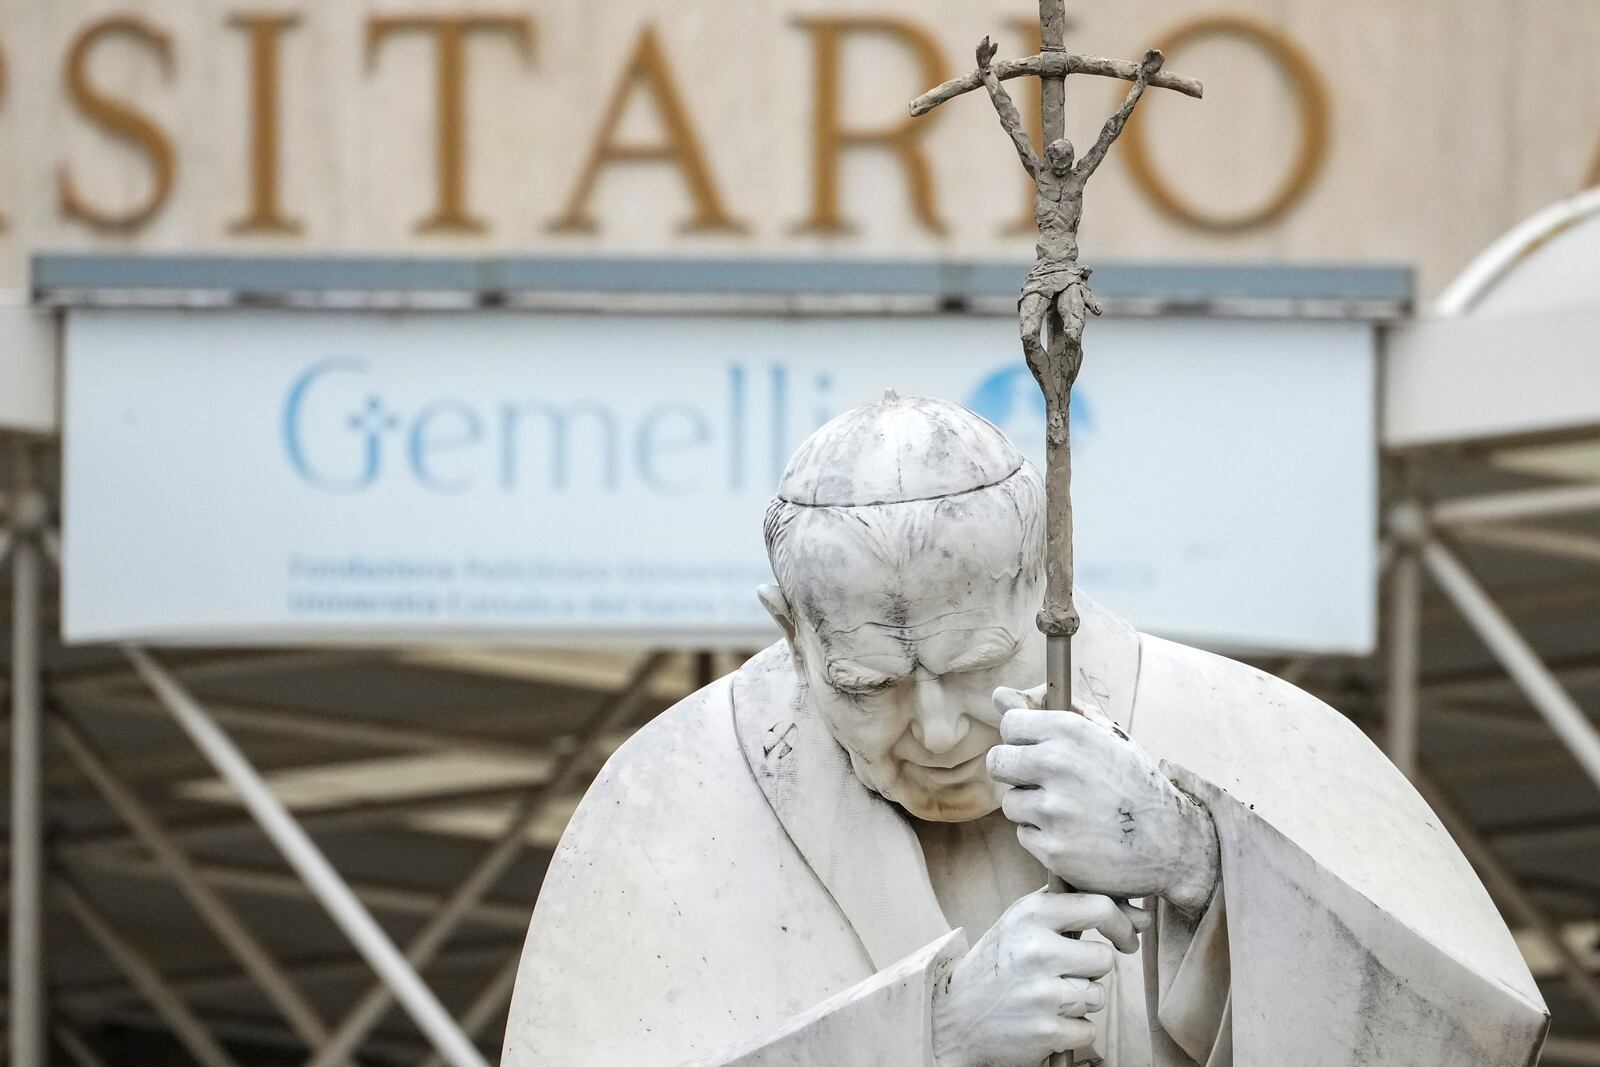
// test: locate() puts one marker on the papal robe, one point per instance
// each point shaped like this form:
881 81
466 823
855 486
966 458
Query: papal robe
729 892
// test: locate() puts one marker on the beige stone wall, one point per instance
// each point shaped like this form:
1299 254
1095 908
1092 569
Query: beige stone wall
1445 123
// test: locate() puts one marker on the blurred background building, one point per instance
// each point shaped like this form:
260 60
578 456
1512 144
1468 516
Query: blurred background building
389 392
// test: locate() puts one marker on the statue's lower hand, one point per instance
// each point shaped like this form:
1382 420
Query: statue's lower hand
1022 993
1093 807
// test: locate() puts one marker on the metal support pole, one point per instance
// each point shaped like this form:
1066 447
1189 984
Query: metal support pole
349 816
185 1026
310 726
1504 888
1493 684
1563 714
50 541
103 999
489 1002
705 668
313 867
1522 504
1558 544
27 991
1405 639
260 882
217 913
494 863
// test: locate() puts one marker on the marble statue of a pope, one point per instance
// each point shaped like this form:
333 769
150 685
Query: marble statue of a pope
834 856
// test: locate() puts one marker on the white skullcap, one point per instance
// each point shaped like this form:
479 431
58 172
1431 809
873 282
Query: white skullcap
895 450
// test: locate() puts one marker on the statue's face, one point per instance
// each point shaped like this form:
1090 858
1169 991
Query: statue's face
902 636
1059 155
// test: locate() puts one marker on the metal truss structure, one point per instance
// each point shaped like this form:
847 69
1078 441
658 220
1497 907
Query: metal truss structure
77 878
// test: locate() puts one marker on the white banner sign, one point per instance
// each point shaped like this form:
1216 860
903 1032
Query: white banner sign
287 476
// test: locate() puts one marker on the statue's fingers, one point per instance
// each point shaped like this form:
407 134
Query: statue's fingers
1085 959
1005 698
1072 912
1021 806
1080 996
1092 710
1072 729
1073 1033
1029 726
1140 917
1014 765
1032 839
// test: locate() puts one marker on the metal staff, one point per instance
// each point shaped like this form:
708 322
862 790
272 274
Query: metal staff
1056 299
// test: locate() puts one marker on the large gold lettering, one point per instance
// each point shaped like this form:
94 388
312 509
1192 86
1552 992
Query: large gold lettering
449 34
647 70
119 120
831 138
266 213
1310 94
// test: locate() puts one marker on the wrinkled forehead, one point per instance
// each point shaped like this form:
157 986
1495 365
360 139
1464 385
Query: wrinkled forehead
908 571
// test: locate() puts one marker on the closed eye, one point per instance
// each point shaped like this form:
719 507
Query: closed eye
863 688
983 657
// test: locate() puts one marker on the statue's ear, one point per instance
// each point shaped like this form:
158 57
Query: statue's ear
777 605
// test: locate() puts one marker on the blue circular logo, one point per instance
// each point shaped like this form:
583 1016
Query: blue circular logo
1011 399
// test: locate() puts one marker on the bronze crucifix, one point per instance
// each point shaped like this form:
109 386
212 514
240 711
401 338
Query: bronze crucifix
1056 298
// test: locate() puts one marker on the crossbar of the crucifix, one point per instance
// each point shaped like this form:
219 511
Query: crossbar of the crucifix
1052 64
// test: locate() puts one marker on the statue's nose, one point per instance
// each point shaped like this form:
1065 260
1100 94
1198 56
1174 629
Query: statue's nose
939 725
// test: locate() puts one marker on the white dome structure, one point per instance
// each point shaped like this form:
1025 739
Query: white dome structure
1550 262
1509 351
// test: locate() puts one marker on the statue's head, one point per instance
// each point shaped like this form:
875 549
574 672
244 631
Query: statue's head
1059 155
907 538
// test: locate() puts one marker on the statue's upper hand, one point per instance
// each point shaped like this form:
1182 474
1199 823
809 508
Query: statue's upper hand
1022 993
986 51
1095 809
1153 60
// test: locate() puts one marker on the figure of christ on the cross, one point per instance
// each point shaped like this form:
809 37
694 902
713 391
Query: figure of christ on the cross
1057 288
